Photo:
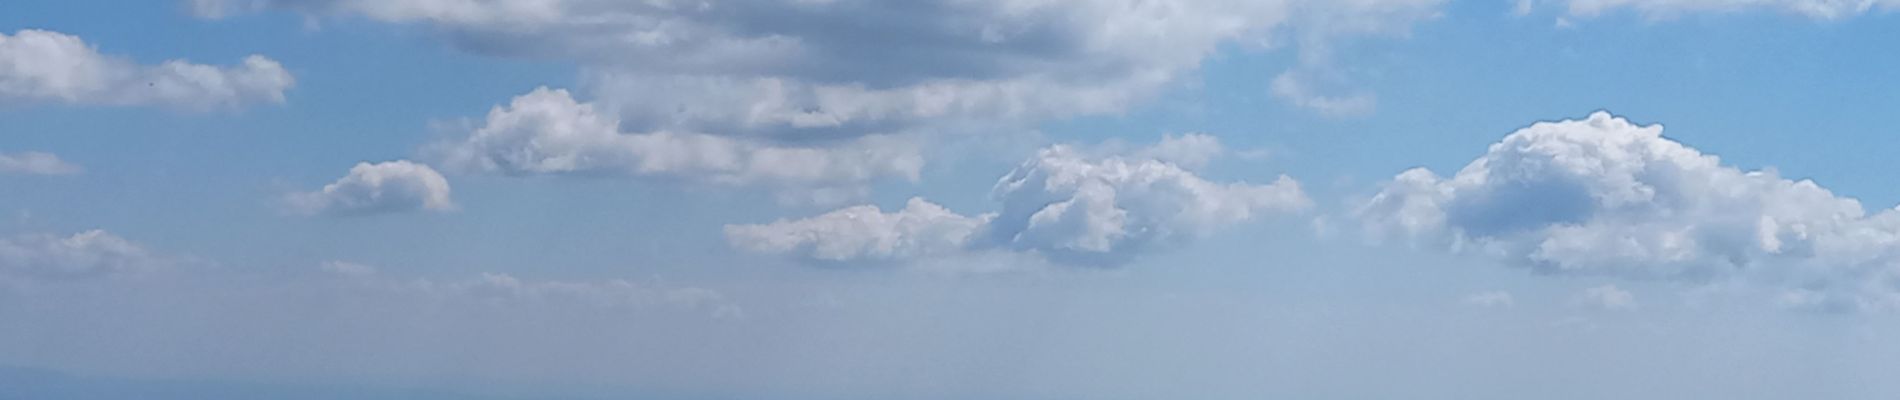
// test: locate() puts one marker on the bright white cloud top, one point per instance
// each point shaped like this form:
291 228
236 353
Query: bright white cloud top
50 67
1063 205
1607 197
387 187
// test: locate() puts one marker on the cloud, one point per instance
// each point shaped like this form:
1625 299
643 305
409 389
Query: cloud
1295 87
819 70
501 288
1603 196
36 163
388 187
1607 297
1816 9
51 67
84 255
547 132
1062 205
920 229
1491 299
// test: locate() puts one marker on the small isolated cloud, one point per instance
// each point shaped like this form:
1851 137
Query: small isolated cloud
36 163
43 66
84 255
1062 205
1606 297
388 187
1491 299
1603 196
348 269
1297 88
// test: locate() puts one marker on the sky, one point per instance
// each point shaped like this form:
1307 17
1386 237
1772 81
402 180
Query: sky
850 199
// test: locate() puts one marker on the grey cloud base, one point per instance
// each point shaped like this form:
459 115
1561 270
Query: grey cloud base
1603 196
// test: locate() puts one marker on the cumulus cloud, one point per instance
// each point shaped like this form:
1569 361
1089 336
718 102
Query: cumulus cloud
1062 205
810 71
52 67
1817 9
388 187
1604 196
36 163
84 255
547 132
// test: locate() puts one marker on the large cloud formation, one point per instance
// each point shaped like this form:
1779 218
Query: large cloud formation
817 75
45 66
1604 196
1063 205
387 187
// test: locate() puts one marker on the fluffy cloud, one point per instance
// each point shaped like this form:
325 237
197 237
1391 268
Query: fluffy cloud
43 66
395 186
1603 196
1817 9
816 71
1063 205
36 163
547 132
90 254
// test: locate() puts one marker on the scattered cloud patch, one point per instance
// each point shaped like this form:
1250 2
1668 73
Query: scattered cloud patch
85 255
39 66
1062 204
547 132
1603 196
37 163
1491 299
1606 297
387 187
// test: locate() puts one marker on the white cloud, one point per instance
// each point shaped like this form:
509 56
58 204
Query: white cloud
45 66
90 254
1295 87
1607 197
1061 204
36 163
864 232
1817 9
1491 299
817 70
547 132
394 186
1607 297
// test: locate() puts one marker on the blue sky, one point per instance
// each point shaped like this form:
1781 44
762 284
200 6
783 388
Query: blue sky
963 199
